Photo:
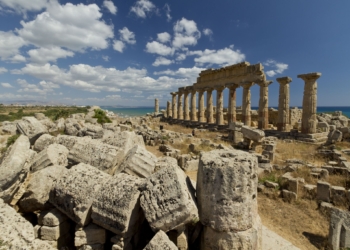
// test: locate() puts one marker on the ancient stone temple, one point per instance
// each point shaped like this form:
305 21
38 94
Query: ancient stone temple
184 101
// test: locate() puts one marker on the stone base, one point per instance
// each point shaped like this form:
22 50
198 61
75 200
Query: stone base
293 135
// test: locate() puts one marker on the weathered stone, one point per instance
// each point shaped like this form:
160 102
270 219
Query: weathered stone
227 190
72 127
51 218
160 242
116 206
14 167
48 124
339 229
17 232
9 127
31 127
191 165
125 140
252 134
54 154
165 161
293 185
90 235
323 191
289 195
95 131
74 192
92 247
40 183
139 162
67 140
54 233
100 155
270 184
272 241
43 142
338 195
168 199
310 191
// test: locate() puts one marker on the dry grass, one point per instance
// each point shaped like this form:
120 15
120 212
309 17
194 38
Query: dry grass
297 150
154 150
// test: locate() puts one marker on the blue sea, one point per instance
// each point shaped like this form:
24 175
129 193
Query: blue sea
139 111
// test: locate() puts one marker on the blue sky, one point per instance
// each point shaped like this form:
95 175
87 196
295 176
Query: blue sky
130 52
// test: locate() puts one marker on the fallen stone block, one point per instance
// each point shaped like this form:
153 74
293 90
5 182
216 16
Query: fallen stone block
310 191
37 192
54 154
92 247
31 127
72 127
94 131
252 134
293 186
165 161
138 162
51 218
227 190
14 167
168 200
43 142
191 165
90 235
74 191
116 206
63 242
9 127
160 241
67 140
323 191
270 184
100 155
54 233
121 243
339 229
289 196
338 195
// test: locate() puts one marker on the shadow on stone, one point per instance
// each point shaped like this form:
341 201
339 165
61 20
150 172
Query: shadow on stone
318 241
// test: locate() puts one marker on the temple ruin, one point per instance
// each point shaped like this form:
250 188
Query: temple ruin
183 107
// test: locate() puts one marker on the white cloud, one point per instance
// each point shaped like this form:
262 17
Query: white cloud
42 88
110 6
221 57
22 6
118 46
113 96
207 32
279 67
3 70
143 7
158 48
127 36
167 12
105 58
10 44
189 73
76 27
6 85
163 37
18 59
186 33
162 61
51 54
181 57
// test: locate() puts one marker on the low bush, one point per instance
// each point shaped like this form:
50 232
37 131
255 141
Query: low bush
101 116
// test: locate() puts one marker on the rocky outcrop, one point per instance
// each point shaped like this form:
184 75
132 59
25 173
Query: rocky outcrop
9 127
32 128
168 199
74 191
54 154
43 142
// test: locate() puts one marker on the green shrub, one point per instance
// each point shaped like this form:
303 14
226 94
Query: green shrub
11 140
101 116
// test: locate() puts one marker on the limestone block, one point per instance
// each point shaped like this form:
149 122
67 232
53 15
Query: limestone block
31 127
37 192
60 124
43 142
14 167
90 235
124 127
159 242
39 116
72 127
91 247
121 243
249 239
272 241
138 162
74 191
51 218
95 131
168 199
100 155
323 191
338 195
339 229
289 195
116 205
67 140
54 233
270 184
182 159
124 140
252 133
9 127
334 136
293 185
62 242
191 165
16 231
226 189
165 161
54 154
78 116
310 191
48 124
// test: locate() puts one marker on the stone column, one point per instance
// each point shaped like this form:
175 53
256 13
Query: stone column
180 114
201 106
246 104
187 109
263 114
210 118
168 109
231 116
309 119
193 106
156 105
283 104
174 104
219 106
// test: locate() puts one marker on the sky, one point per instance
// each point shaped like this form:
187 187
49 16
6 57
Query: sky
127 53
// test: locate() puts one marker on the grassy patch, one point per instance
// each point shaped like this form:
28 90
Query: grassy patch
101 116
11 140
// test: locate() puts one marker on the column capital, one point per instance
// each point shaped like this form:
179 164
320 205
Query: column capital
264 83
219 88
246 85
310 76
232 85
174 93
284 80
